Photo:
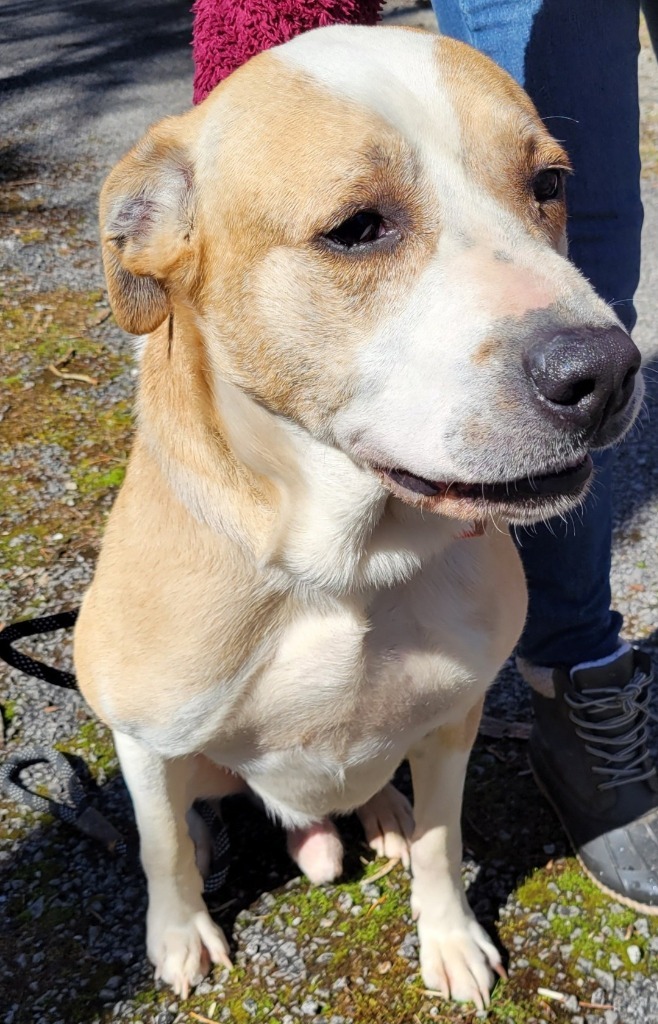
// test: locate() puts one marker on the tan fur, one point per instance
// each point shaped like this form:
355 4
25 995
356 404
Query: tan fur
504 150
462 736
270 610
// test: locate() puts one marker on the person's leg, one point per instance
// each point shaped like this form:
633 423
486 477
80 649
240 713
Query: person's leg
592 689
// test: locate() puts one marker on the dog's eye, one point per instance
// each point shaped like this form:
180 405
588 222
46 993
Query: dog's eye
548 184
363 228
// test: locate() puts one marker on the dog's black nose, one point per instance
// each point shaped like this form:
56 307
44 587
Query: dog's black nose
583 376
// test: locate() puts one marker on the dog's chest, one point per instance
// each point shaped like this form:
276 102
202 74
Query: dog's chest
347 695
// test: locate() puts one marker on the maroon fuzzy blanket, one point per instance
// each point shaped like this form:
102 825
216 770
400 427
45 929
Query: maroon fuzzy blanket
227 32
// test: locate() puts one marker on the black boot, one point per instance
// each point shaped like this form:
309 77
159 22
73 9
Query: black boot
588 752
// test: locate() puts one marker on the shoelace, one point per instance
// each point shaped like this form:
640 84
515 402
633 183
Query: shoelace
624 750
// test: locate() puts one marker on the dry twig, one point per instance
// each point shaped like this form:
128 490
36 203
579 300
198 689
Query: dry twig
388 867
72 376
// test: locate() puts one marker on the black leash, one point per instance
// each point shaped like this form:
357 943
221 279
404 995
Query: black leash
75 807
30 666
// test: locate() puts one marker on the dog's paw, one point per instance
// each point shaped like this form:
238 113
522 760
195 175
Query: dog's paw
318 851
388 822
459 961
182 953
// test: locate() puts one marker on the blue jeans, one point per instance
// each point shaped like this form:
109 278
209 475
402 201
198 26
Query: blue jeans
578 61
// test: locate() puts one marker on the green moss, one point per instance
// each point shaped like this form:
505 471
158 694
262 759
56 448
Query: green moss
59 328
584 932
96 739
32 236
90 479
9 711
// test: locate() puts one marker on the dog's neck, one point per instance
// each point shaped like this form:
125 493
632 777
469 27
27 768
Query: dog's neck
301 509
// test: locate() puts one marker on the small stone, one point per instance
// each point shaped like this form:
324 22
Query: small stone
164 1017
570 911
250 1005
571 1004
345 902
36 908
611 1017
634 954
604 979
310 1007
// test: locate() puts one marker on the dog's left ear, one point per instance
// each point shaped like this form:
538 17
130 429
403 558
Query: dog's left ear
146 225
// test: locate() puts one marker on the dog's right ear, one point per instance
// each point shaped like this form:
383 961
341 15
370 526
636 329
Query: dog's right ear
146 226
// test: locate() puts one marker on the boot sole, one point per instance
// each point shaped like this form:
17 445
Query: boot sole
644 908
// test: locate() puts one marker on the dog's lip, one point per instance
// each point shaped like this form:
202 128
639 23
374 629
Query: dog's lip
568 480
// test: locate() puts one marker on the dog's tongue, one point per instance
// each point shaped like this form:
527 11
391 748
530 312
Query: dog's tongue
413 483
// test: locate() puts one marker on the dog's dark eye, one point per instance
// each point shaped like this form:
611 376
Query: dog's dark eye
548 184
363 228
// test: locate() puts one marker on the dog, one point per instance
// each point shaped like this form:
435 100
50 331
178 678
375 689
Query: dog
367 356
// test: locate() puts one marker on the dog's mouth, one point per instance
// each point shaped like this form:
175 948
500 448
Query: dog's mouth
516 500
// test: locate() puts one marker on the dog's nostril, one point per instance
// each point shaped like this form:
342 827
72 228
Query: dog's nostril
573 392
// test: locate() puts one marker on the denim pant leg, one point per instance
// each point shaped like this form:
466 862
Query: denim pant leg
578 61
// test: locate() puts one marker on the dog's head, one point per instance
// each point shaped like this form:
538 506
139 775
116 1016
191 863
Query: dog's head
368 226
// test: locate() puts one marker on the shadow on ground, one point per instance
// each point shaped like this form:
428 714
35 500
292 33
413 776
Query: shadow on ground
92 47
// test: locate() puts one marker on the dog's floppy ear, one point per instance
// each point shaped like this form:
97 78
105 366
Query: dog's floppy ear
146 222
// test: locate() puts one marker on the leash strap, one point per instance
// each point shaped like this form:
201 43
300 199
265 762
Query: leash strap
220 845
30 666
74 808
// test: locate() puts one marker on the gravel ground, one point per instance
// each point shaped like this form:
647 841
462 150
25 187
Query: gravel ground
83 80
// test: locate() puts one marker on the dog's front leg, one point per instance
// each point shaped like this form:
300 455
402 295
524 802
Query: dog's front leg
181 938
456 954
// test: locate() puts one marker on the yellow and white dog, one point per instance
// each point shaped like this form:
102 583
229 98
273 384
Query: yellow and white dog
367 355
